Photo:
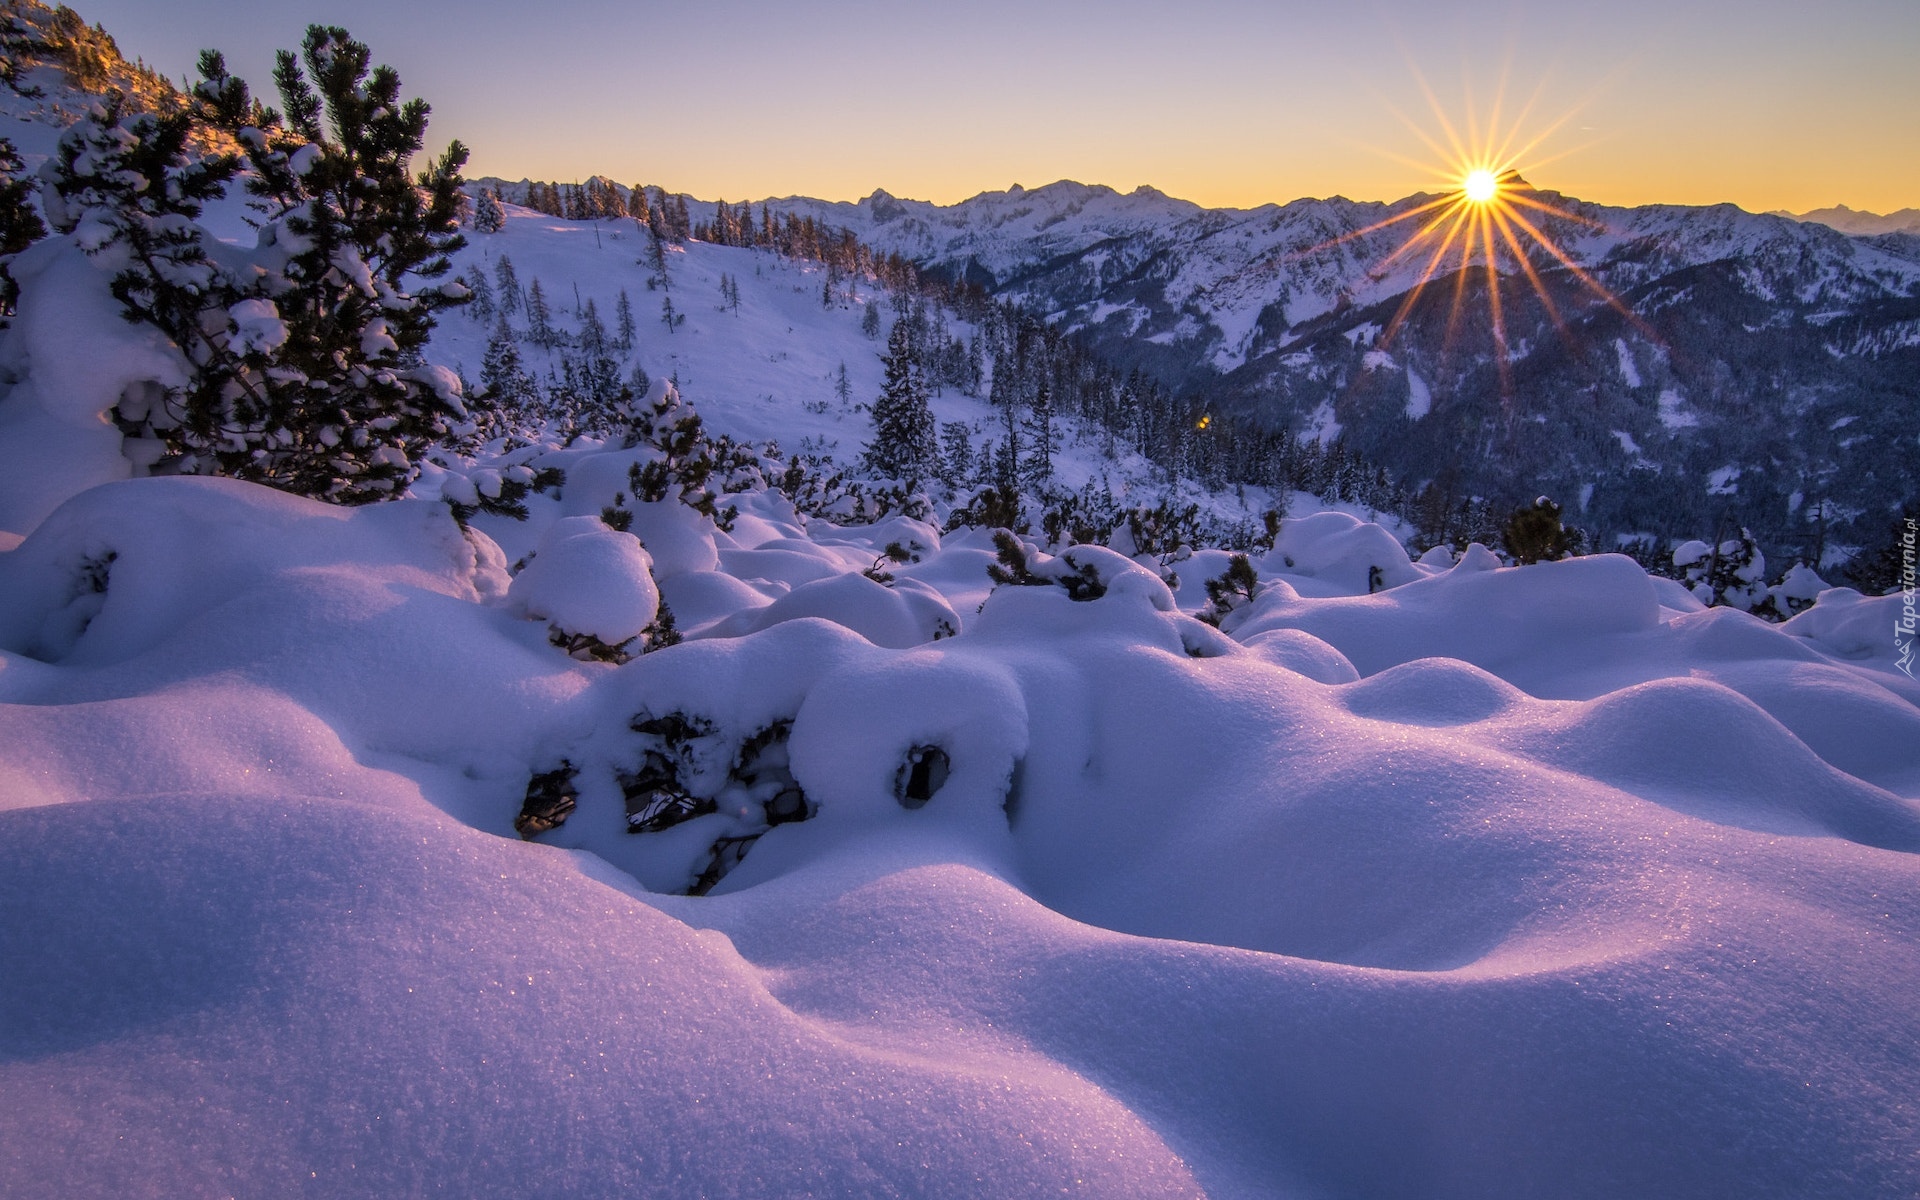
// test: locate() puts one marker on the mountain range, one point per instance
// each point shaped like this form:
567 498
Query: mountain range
1729 368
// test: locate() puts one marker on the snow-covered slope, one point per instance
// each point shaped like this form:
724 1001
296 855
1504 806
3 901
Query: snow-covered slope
1495 882
1499 882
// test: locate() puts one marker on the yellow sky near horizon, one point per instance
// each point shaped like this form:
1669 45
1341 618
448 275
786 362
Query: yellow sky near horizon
1763 103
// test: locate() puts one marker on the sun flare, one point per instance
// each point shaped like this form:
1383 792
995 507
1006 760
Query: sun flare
1483 222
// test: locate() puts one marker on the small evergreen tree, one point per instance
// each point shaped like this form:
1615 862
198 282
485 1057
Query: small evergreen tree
540 330
956 459
503 380
904 441
1534 534
488 216
511 300
1043 441
623 323
481 307
870 321
332 403
1234 589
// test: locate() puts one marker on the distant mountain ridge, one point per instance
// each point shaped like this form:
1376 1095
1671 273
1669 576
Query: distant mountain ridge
1757 370
1852 221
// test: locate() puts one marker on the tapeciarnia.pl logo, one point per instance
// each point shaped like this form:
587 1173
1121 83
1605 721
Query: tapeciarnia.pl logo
1903 629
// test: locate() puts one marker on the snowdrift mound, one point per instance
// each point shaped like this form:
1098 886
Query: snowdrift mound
887 880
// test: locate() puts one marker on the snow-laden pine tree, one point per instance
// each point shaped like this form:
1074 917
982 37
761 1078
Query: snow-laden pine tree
488 216
126 187
905 439
504 382
956 460
20 225
304 367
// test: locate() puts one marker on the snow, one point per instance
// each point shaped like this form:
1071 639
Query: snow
1437 877
1674 413
1322 425
1419 396
1629 371
587 578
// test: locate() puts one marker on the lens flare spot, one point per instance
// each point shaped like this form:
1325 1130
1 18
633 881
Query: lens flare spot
1480 185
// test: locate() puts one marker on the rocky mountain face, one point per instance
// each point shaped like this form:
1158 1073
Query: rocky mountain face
1724 368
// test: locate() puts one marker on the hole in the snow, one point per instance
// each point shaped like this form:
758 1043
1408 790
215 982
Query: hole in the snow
923 774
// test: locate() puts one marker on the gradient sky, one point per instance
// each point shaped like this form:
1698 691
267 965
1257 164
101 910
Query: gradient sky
1764 103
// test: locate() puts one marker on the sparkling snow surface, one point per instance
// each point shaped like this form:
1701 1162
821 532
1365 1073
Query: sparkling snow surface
1496 882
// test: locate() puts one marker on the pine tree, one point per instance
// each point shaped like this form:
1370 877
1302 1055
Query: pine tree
540 330
843 386
1234 589
1534 533
623 323
504 381
870 320
20 226
657 251
956 462
488 216
302 365
904 440
347 414
509 284
671 319
130 181
1043 441
1881 569
481 307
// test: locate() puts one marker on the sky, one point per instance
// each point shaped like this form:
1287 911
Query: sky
1230 103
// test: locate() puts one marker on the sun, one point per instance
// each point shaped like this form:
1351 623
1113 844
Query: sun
1483 221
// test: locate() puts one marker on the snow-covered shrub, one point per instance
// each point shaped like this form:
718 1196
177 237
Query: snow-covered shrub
1796 592
594 587
1163 533
685 770
1230 591
681 462
1083 572
990 508
1087 517
1732 573
501 489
